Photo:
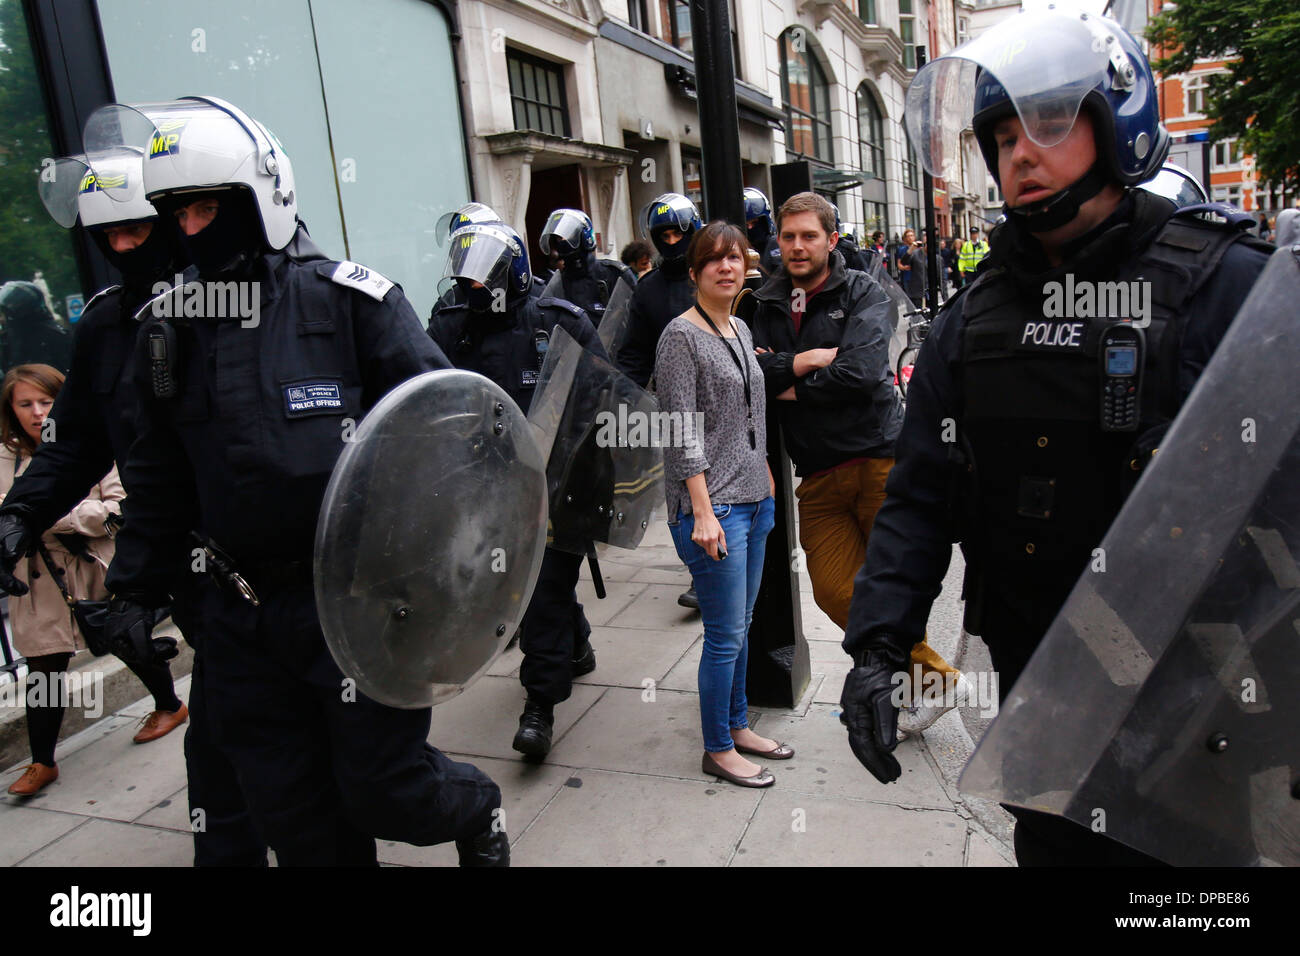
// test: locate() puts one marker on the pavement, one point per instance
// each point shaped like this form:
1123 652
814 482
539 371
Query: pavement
622 786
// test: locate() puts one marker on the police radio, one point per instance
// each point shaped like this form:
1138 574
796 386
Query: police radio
163 354
1122 347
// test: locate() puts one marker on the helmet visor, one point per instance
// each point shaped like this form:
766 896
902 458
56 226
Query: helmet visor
184 142
1045 63
672 210
563 232
1177 185
481 254
60 184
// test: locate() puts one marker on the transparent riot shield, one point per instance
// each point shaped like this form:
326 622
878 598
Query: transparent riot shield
603 436
554 288
430 538
1162 706
902 313
613 328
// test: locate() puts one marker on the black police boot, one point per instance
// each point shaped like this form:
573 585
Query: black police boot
584 662
689 598
535 725
489 848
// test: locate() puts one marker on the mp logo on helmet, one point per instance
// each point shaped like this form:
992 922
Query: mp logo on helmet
92 183
166 140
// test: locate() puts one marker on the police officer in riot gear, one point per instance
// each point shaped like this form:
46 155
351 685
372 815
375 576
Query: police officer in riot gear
664 292
585 281
29 332
855 257
1026 427
761 230
95 412
242 418
499 331
471 213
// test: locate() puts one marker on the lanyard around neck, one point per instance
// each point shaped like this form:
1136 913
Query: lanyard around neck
743 367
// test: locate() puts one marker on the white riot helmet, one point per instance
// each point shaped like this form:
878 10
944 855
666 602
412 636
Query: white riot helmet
198 144
70 189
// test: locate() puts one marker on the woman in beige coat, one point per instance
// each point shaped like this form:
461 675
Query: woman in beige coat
44 630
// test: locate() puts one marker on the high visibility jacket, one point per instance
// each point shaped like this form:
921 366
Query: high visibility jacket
971 254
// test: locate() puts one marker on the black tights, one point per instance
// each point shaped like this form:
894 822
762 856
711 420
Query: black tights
45 704
45 698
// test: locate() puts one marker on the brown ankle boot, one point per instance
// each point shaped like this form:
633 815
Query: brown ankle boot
34 779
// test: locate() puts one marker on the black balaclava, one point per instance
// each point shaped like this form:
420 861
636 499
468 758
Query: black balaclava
231 243
158 257
580 264
759 233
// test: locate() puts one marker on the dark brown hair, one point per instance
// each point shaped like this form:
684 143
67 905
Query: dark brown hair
808 202
45 377
713 242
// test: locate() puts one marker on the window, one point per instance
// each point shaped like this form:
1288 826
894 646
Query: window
994 195
638 15
963 29
907 33
675 15
867 11
1229 194
537 94
871 136
1227 154
1195 87
285 71
909 166
693 176
806 98
875 218
915 219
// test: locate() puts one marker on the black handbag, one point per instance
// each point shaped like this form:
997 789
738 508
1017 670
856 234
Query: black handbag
91 616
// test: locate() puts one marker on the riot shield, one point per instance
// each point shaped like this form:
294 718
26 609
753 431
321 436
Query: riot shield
603 436
430 538
554 288
613 328
1162 707
901 315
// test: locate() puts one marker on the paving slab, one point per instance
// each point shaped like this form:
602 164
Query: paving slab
26 829
483 720
656 609
980 851
799 829
833 674
525 790
144 706
96 732
823 763
612 819
618 595
685 674
170 813
109 843
625 732
115 778
507 663
626 656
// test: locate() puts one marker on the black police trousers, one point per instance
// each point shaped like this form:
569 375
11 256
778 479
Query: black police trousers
553 629
325 769
1044 839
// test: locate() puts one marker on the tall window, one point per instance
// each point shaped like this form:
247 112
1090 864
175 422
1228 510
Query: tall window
907 32
871 135
537 94
1195 87
637 15
1228 194
867 11
910 178
675 15
806 98
875 217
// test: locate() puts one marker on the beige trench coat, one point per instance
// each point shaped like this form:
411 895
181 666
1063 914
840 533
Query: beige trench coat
40 620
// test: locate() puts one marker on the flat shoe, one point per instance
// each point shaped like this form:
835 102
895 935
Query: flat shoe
780 752
761 779
160 723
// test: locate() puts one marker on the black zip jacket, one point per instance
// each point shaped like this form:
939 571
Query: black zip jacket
662 294
849 409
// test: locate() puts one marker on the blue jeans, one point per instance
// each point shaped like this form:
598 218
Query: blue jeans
727 590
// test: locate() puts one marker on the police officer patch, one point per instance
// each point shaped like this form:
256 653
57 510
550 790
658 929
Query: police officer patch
312 398
362 278
1049 334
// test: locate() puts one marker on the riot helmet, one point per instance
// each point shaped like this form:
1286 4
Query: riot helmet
758 218
205 148
1043 67
670 211
71 189
1177 185
489 262
466 215
24 302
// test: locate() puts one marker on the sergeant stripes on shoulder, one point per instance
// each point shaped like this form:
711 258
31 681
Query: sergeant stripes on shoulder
362 278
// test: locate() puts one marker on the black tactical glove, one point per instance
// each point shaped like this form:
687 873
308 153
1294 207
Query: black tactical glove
129 632
17 541
868 711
